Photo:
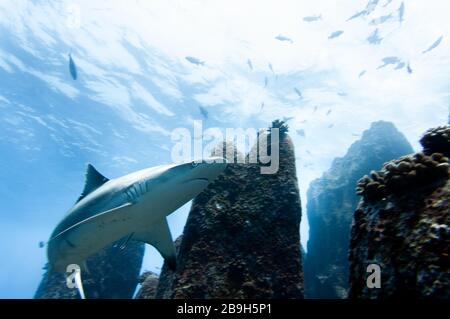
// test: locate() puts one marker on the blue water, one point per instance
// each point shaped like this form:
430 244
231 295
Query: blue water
135 86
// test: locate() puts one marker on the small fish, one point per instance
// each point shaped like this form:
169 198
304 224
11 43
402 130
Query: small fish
400 65
307 151
362 73
301 132
250 65
262 106
408 68
434 45
203 111
328 112
335 34
41 244
370 7
194 60
303 121
374 38
271 68
342 94
388 2
315 109
355 134
357 15
266 81
381 20
72 68
389 60
330 126
312 18
298 93
401 12
283 38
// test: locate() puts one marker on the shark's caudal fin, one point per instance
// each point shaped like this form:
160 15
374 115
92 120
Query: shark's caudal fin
93 181
159 236
79 284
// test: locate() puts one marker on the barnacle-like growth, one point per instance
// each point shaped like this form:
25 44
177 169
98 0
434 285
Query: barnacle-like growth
410 172
437 140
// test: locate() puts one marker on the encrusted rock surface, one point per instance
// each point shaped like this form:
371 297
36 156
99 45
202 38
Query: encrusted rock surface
112 273
404 175
405 227
241 239
437 140
331 203
149 282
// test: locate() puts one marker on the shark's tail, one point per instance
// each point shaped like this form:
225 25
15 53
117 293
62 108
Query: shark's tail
79 284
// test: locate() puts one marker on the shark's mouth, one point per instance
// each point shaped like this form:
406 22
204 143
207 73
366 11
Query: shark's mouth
198 180
195 185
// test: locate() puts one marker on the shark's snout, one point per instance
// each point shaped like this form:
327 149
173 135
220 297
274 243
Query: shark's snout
210 168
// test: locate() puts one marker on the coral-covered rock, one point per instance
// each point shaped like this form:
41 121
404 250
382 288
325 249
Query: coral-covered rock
149 282
241 239
403 175
166 278
332 201
405 229
437 140
112 273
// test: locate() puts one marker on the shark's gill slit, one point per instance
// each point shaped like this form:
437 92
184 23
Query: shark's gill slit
141 189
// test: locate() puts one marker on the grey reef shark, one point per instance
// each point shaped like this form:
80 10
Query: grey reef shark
133 206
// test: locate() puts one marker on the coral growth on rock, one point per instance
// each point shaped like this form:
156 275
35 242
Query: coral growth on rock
403 175
403 225
241 239
282 127
437 140
149 282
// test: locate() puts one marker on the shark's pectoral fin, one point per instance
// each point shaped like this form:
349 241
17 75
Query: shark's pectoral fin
159 236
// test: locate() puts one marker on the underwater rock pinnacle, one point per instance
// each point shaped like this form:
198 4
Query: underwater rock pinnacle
331 203
241 239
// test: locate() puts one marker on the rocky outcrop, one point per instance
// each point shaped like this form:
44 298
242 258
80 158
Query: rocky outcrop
164 281
112 273
331 203
403 225
149 282
241 239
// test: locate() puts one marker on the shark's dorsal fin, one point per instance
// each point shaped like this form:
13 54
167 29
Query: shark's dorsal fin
93 181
